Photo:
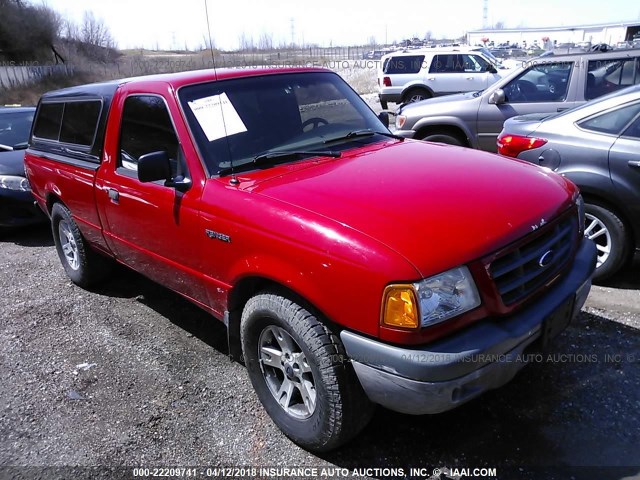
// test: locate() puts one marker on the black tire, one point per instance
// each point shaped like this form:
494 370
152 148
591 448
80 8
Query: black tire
606 229
444 138
416 95
83 266
337 408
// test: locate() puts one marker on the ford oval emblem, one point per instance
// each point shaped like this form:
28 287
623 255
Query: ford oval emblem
546 259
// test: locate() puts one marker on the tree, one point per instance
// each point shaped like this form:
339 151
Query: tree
94 32
27 33
265 42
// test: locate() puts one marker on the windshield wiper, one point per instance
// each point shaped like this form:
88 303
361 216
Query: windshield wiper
284 154
279 155
362 133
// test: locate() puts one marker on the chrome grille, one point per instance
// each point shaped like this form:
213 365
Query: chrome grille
520 271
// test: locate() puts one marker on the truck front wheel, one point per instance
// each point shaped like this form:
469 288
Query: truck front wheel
83 266
301 375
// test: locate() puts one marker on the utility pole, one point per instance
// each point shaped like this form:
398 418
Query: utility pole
485 14
293 31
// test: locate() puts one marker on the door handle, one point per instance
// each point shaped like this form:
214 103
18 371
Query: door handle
562 109
113 195
634 163
469 78
431 78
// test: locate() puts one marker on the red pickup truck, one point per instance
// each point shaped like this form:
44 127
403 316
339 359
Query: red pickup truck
351 267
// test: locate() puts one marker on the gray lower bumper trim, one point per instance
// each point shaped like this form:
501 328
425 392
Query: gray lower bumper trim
418 398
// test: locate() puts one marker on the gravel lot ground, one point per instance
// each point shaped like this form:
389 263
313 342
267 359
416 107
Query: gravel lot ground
133 375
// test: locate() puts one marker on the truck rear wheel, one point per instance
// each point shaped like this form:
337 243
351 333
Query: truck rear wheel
83 266
300 373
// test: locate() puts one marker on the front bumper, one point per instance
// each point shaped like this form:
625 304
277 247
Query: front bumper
395 97
484 356
19 209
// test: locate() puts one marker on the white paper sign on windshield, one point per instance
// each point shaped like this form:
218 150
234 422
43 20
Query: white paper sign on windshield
217 116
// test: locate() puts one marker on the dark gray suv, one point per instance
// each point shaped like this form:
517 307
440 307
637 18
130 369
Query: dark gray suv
597 146
543 85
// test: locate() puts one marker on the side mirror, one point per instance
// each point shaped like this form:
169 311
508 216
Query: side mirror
154 166
497 97
491 69
384 118
157 166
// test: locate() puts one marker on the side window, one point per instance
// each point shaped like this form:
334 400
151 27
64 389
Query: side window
605 76
146 128
49 121
634 130
15 128
546 82
474 63
79 122
405 64
73 122
612 122
450 63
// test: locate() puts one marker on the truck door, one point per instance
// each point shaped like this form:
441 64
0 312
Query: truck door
151 227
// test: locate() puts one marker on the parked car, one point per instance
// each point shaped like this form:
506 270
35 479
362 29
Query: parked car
17 205
414 75
597 146
543 85
350 267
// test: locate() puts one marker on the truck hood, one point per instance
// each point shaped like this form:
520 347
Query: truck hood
438 206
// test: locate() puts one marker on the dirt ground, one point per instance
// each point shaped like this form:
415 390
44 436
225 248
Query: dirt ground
131 375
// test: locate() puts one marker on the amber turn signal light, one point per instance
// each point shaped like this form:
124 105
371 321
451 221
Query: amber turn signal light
400 307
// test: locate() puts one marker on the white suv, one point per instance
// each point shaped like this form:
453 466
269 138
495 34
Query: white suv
414 75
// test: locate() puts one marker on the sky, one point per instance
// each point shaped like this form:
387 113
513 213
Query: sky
182 23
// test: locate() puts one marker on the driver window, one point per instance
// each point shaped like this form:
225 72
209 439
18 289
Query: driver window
547 82
146 127
474 63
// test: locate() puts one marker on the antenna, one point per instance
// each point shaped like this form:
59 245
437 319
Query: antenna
234 179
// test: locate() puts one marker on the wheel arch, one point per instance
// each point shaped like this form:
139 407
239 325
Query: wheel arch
445 127
596 197
416 86
50 200
596 188
251 285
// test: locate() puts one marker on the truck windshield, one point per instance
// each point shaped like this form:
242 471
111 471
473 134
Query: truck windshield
234 121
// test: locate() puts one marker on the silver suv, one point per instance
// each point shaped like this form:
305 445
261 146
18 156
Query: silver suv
543 85
414 75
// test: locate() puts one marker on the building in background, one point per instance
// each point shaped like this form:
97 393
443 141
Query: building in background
609 33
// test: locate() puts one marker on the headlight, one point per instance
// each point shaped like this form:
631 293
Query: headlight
400 121
11 182
580 205
430 301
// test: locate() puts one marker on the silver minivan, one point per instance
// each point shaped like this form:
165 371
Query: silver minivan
542 85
